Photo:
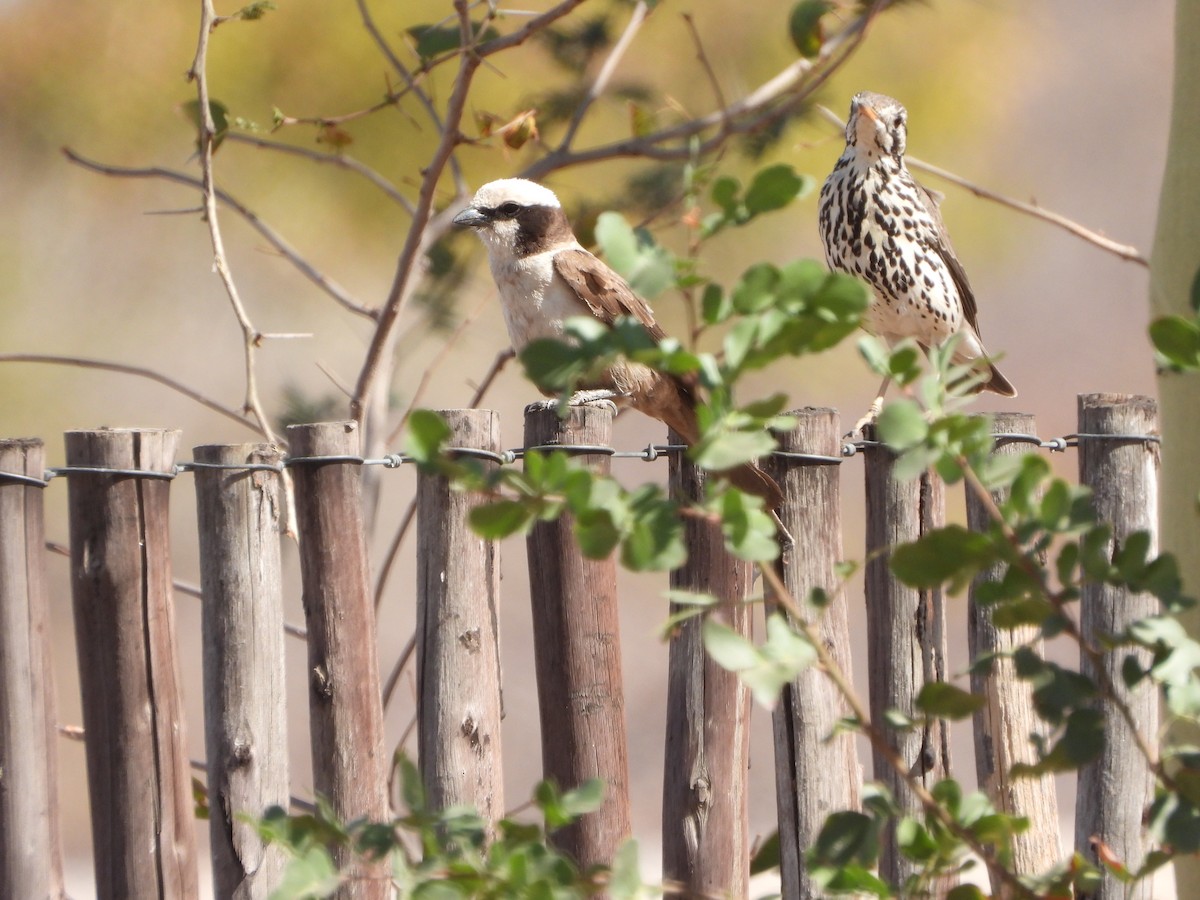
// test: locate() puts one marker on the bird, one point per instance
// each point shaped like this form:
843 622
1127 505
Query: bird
545 276
880 224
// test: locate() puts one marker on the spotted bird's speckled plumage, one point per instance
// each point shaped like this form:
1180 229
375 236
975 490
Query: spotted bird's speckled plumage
879 223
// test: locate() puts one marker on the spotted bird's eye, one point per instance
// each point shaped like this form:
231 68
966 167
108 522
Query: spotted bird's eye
510 209
898 122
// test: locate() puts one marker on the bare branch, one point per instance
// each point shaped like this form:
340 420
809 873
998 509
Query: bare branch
702 56
420 234
1125 251
640 13
334 159
326 284
410 82
138 371
207 135
773 99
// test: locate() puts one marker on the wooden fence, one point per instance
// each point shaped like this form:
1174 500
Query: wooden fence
143 825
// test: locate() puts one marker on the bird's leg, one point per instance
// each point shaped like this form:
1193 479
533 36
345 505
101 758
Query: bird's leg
602 397
873 413
786 541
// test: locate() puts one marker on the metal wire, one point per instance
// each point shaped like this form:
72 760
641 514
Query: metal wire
650 453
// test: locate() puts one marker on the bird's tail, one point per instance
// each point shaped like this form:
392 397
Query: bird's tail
998 384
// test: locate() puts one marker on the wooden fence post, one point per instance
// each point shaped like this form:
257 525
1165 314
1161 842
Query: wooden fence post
1115 789
30 854
245 734
578 653
143 831
458 653
906 634
1003 728
815 775
345 706
705 824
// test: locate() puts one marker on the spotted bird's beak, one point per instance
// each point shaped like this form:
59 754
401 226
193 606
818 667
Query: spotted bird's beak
470 217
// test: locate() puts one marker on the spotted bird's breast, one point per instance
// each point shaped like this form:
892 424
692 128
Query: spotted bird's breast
874 225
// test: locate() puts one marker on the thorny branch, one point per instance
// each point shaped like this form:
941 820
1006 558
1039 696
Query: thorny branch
207 132
140 372
325 283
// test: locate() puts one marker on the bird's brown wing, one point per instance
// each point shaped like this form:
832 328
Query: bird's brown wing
603 290
939 242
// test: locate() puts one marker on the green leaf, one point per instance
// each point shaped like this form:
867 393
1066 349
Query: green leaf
499 519
310 874
766 858
434 40
427 433
846 837
715 306
726 450
597 533
937 698
586 798
773 188
1178 340
944 554
914 840
625 878
655 539
648 267
254 11
804 26
731 650
902 425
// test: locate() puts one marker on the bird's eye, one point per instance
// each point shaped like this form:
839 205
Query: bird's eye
898 122
510 209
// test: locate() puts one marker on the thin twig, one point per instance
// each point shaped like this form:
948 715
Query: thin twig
207 134
393 678
418 239
779 96
502 359
334 159
328 285
1125 251
140 372
600 84
705 62
411 83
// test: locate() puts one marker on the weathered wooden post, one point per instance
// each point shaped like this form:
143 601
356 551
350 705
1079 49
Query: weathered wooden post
1115 789
706 838
578 652
906 634
1005 726
815 774
239 498
458 653
345 707
143 830
30 854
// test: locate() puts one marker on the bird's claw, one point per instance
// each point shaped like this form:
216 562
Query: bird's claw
603 399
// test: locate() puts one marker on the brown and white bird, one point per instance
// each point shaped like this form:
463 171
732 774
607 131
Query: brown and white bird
879 223
545 277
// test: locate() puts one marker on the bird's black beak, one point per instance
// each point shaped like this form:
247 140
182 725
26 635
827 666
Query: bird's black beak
470 217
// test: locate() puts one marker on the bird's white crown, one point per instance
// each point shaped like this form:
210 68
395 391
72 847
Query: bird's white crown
513 190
